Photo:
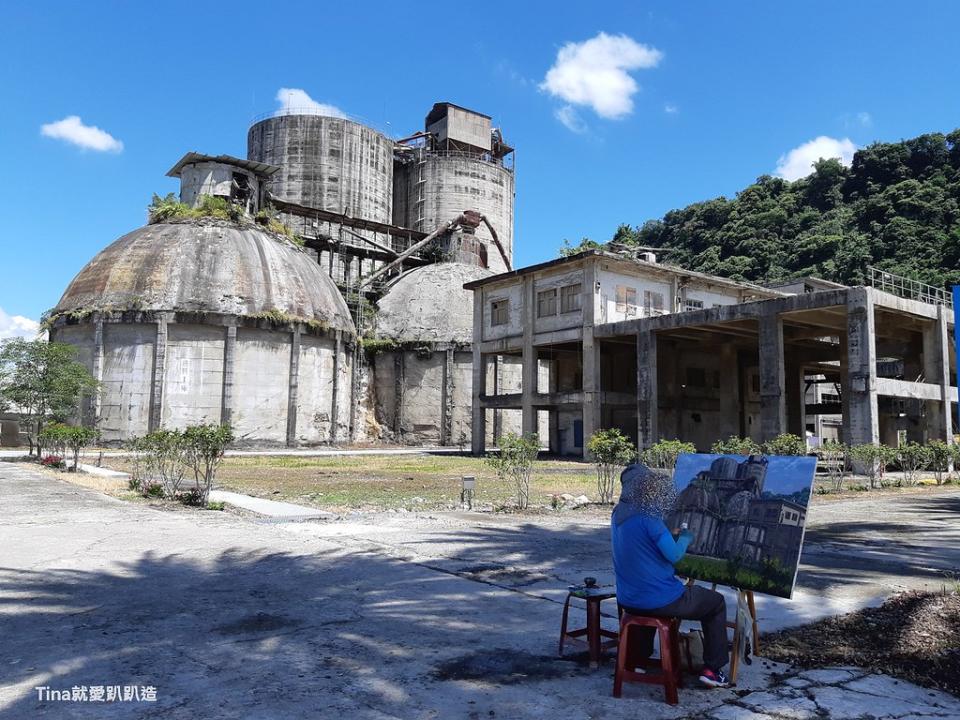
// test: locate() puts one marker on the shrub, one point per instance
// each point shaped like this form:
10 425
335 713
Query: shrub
912 457
735 445
873 460
786 444
77 438
53 437
664 454
939 455
611 451
205 446
515 463
832 458
53 461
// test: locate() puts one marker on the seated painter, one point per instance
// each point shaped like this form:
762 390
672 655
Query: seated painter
644 553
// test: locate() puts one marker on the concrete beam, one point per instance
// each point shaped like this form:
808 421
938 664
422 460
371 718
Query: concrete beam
889 387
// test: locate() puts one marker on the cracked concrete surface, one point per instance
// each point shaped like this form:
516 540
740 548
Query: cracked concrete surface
443 616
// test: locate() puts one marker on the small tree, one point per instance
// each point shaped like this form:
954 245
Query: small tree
205 446
53 437
77 438
873 460
786 444
832 458
611 451
514 463
735 445
165 460
664 454
940 454
912 457
42 381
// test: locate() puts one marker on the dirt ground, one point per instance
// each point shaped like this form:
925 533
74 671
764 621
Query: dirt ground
914 635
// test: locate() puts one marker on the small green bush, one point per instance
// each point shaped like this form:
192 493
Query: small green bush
611 451
515 462
912 458
786 444
735 445
873 460
664 454
939 455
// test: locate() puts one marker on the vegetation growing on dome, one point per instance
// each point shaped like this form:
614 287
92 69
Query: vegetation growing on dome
168 207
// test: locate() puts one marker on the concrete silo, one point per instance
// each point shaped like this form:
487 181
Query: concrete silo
459 162
206 320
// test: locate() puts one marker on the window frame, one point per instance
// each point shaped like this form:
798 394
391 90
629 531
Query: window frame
574 298
549 295
497 306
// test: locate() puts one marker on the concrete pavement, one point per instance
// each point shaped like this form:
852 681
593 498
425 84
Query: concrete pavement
370 617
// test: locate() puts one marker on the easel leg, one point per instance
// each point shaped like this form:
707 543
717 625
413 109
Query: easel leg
734 650
756 625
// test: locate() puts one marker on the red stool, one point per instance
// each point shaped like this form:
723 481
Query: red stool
668 630
594 633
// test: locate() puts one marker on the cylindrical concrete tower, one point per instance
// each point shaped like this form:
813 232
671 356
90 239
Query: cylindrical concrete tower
327 163
459 163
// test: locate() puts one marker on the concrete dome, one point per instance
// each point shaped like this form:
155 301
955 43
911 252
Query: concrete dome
429 304
207 266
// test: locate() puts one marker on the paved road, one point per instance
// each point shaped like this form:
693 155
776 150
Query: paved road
386 617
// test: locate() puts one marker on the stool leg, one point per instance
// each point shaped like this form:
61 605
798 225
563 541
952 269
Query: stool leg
677 657
563 626
593 631
622 649
667 660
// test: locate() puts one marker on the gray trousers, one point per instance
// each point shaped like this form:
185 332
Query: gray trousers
696 603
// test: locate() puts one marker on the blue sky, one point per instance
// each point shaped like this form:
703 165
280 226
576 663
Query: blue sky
785 475
677 102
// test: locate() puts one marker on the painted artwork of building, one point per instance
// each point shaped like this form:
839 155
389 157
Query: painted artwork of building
747 517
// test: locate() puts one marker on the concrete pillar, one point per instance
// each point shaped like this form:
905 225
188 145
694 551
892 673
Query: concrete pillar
773 414
936 369
861 406
592 397
647 402
294 387
730 413
335 390
96 402
399 366
478 419
446 409
497 387
793 397
229 358
159 374
529 382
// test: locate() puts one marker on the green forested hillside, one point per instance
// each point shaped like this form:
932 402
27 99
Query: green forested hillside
896 207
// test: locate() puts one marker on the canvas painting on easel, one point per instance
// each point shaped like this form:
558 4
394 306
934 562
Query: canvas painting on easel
747 516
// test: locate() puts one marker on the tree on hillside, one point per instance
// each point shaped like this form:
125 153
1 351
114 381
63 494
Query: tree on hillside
42 381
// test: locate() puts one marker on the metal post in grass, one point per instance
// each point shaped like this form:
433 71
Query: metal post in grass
466 493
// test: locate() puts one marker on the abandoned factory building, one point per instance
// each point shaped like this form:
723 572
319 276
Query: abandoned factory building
608 341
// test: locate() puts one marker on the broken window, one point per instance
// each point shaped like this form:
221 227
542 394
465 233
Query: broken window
689 304
547 302
652 303
626 299
499 312
570 298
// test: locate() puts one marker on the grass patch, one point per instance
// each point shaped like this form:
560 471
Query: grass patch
382 482
770 579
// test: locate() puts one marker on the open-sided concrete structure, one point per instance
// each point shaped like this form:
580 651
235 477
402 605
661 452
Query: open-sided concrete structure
659 352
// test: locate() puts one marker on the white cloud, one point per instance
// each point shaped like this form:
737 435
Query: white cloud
595 73
671 109
295 100
72 130
570 118
799 162
17 326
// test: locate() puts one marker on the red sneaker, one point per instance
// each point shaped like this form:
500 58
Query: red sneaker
714 678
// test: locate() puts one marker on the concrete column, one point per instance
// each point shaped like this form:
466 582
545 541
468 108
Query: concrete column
497 387
398 382
793 397
229 358
446 409
294 387
592 417
861 368
159 374
478 416
647 382
730 412
335 389
773 414
936 369
96 402
529 383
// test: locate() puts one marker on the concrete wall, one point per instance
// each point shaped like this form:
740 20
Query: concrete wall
513 294
193 382
315 412
327 163
126 389
214 179
561 320
261 379
607 299
438 189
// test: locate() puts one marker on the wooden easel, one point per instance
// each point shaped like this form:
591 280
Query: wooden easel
734 654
